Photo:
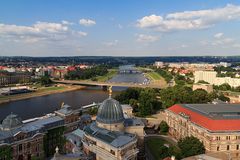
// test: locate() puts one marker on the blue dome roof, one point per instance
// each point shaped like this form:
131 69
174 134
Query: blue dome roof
110 112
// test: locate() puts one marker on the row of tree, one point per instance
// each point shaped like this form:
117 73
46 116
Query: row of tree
143 101
88 73
226 87
146 101
183 94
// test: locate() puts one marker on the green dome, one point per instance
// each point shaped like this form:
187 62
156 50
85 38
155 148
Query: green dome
110 112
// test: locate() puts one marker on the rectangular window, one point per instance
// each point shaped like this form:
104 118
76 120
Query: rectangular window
217 148
227 147
237 147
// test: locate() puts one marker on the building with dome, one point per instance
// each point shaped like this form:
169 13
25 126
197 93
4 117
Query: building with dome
113 136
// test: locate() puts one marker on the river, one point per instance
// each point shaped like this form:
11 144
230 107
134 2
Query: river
39 106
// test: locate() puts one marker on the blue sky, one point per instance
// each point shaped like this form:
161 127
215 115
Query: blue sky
119 28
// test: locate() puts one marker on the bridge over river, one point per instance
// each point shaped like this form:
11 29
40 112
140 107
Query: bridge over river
105 84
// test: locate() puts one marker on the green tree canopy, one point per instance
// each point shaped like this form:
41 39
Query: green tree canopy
163 127
191 146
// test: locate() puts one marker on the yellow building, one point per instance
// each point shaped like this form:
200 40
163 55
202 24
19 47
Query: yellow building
216 125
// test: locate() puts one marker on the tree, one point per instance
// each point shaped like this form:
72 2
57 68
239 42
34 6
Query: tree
191 146
89 73
200 96
148 102
224 87
223 98
134 104
45 80
202 82
163 127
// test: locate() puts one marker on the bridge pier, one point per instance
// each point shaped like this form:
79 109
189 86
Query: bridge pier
104 88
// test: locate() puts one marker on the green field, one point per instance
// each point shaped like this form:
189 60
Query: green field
52 88
154 75
155 146
109 75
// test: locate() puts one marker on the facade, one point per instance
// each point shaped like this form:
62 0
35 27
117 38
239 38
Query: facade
112 136
26 140
71 117
211 78
7 78
216 125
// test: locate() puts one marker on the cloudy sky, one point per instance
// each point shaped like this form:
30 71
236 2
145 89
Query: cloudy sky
119 27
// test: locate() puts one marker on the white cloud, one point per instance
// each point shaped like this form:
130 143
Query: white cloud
67 22
37 32
218 35
110 44
87 22
221 41
146 38
82 33
188 20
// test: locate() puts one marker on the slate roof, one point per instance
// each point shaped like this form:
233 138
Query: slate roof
114 138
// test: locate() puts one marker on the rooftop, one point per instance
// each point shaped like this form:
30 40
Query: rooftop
114 138
65 110
213 117
216 111
33 127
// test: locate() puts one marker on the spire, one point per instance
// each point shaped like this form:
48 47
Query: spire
110 91
62 105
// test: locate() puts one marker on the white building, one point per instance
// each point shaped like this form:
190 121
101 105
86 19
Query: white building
211 78
159 64
225 64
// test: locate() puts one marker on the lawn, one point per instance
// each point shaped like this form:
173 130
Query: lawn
156 145
109 75
52 88
154 75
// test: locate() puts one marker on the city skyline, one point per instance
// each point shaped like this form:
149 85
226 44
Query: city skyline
133 28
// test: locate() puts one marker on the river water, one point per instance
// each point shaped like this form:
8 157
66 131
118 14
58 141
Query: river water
39 106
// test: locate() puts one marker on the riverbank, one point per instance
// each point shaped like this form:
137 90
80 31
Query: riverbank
40 92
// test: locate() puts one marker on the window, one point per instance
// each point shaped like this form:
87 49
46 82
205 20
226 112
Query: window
237 147
28 145
227 147
227 137
217 148
218 138
20 147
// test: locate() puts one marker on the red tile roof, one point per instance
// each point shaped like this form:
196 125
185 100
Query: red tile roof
206 122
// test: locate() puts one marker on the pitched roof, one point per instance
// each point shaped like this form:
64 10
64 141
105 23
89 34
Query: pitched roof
212 117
